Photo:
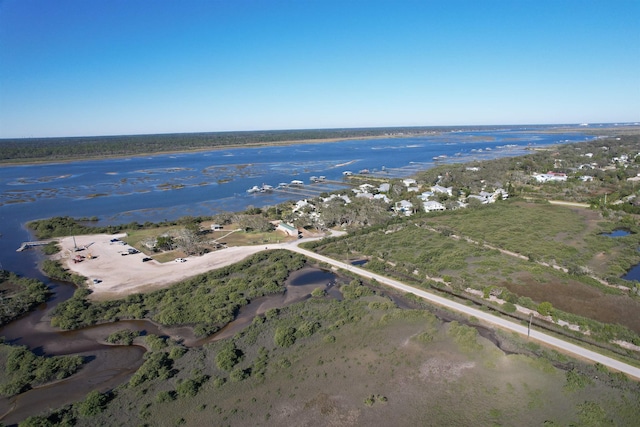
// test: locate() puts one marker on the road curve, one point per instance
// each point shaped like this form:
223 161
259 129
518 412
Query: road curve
479 314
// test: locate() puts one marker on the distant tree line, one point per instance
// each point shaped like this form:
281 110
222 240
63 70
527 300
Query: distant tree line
69 148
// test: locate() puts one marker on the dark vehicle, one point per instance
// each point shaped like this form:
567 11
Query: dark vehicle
146 259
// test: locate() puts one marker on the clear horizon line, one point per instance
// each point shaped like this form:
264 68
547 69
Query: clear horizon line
634 123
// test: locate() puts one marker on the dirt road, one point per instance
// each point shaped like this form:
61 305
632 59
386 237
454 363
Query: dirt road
479 314
121 275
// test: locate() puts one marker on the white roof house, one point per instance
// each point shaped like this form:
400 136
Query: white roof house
486 195
550 177
364 195
477 197
382 197
426 195
440 189
405 207
289 230
432 206
344 197
384 187
409 182
300 204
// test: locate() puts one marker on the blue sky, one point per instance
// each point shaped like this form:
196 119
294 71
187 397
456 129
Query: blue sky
105 67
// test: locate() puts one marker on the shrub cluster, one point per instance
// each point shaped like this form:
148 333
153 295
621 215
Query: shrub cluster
24 370
19 295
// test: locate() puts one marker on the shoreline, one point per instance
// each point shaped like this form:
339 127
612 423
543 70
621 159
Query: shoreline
600 131
34 162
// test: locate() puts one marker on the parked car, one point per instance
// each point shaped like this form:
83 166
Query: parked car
96 281
180 260
145 259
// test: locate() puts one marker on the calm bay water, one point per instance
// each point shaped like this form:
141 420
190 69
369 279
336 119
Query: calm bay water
159 187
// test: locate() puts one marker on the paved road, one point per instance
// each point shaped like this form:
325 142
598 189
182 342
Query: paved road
487 317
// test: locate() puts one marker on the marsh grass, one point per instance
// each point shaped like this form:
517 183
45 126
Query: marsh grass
411 251
377 365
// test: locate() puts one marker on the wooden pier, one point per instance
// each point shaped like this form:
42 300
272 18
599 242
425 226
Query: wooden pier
27 245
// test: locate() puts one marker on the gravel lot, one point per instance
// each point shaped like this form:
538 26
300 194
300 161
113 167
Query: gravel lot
120 275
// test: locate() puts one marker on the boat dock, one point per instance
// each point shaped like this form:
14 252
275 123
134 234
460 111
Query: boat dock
27 245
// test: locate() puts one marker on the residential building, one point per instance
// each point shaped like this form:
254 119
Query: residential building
432 206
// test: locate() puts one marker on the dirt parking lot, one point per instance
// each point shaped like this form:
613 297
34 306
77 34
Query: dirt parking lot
120 275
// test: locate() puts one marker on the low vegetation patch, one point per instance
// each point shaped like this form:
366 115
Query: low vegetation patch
22 370
378 362
208 301
19 295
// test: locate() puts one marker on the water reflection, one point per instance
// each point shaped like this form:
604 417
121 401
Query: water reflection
107 368
621 232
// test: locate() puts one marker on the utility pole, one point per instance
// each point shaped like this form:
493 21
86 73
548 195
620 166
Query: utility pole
529 330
